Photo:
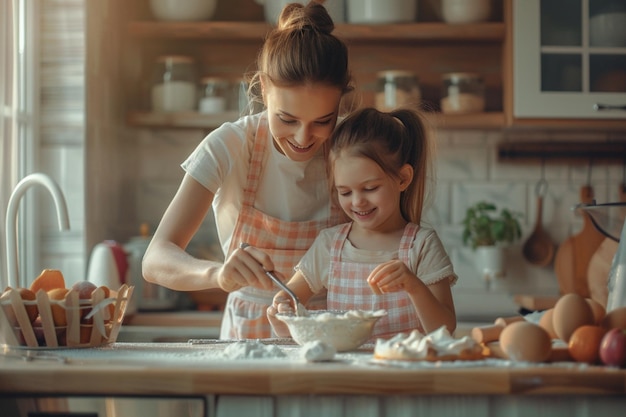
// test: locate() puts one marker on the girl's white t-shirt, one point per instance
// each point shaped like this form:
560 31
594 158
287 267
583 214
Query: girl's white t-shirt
288 190
428 258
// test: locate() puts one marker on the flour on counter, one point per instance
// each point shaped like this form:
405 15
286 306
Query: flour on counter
317 351
252 350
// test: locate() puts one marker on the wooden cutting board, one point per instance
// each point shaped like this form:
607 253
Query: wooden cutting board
572 258
600 263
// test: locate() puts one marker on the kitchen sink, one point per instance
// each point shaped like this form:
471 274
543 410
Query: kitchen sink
172 327
166 334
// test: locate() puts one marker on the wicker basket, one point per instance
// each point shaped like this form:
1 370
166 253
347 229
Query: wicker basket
90 323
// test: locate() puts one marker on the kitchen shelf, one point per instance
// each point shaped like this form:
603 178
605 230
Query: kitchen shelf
256 31
195 120
562 151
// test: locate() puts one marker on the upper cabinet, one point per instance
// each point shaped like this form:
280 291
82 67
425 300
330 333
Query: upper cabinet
569 60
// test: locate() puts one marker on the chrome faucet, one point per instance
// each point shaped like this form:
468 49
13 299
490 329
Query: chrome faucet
11 219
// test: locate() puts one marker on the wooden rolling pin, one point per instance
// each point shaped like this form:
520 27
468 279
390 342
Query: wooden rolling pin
486 334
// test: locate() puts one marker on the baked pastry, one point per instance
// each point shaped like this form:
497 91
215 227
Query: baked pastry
438 345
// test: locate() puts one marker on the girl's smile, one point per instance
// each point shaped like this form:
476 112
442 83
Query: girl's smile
369 196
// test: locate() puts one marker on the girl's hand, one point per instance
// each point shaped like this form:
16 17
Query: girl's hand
281 304
393 276
244 267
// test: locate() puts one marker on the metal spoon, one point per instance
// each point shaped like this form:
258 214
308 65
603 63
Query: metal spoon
300 309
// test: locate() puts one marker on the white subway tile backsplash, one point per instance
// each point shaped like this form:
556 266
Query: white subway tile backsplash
462 163
506 194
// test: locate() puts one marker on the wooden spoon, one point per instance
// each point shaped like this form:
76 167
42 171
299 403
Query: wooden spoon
539 249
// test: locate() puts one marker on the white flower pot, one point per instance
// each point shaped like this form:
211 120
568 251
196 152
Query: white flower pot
490 262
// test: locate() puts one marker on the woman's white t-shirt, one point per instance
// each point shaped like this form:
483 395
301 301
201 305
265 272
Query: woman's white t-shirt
428 258
288 190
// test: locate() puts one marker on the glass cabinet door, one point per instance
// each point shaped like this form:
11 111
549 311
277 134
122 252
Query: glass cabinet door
569 58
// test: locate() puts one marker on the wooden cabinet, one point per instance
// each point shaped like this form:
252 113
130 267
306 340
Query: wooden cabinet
565 66
229 48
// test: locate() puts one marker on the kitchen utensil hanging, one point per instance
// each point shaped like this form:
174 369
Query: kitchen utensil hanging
539 248
573 255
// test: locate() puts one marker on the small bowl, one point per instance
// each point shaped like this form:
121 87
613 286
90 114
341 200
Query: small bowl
608 29
465 11
344 330
176 10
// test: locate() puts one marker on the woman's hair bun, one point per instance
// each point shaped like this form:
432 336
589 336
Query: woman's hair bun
296 16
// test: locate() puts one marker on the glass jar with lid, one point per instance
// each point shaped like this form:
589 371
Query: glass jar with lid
463 92
397 88
213 95
174 84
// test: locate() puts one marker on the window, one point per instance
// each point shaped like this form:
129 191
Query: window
40 43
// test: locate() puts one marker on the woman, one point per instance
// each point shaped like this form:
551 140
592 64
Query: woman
264 175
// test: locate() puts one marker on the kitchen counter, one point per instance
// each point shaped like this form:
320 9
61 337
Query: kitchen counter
185 369
354 384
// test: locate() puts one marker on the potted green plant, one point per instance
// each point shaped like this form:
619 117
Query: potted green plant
484 226
488 231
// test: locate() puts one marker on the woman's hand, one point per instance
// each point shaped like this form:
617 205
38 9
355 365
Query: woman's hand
244 267
393 276
282 303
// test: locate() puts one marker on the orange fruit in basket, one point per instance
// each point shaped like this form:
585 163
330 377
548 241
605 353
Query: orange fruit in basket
26 295
49 279
31 309
58 311
584 343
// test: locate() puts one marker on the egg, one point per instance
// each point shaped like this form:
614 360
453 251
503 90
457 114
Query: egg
545 322
525 341
570 312
598 310
615 318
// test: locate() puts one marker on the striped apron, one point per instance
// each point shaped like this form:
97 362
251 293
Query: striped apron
284 241
348 288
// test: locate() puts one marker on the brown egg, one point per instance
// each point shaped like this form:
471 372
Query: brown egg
525 341
58 311
615 318
545 322
570 312
85 334
597 309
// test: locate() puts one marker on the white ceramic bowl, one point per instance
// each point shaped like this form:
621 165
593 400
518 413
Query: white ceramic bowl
378 11
608 29
344 330
272 9
465 11
179 10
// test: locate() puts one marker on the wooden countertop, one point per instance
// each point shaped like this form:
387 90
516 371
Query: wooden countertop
278 377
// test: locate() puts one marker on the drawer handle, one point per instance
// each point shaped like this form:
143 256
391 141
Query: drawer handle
598 107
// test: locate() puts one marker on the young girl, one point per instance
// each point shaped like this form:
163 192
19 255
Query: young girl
264 176
383 258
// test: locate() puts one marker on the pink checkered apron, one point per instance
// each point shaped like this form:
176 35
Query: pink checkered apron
348 288
284 241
